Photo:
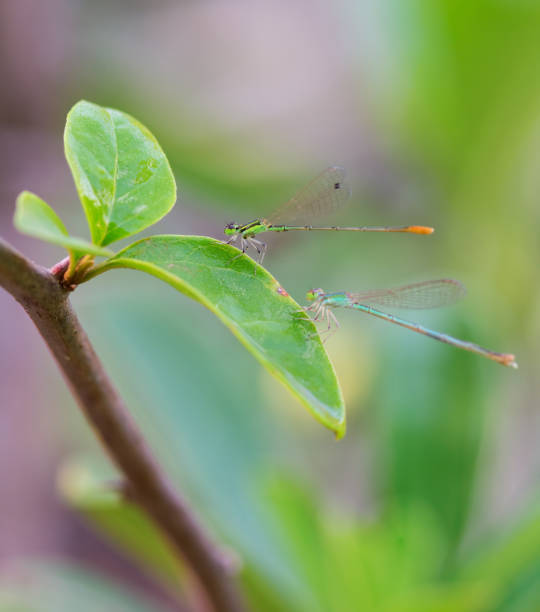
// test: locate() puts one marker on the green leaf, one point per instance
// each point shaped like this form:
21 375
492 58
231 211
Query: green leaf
251 303
509 560
36 218
123 178
83 485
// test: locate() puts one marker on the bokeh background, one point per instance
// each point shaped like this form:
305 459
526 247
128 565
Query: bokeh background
430 503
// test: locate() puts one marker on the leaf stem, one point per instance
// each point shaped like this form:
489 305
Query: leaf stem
68 274
84 264
91 272
45 300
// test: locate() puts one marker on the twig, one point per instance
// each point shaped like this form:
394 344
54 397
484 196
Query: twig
47 304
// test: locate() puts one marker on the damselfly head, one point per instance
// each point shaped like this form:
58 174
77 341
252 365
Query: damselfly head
314 294
231 228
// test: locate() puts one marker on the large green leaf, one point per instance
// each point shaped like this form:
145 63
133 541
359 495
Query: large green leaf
123 178
250 301
36 218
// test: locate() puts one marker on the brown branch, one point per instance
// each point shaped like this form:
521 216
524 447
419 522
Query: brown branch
47 304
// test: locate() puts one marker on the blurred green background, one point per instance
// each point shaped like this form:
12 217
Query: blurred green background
430 503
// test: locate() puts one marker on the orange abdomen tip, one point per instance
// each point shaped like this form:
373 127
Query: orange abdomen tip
421 229
508 359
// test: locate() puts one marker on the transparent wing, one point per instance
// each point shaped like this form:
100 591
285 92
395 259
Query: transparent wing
325 193
427 294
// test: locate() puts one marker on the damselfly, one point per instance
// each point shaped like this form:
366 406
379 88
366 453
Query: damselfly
427 294
325 193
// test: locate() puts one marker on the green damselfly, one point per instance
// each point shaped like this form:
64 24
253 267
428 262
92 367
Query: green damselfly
326 192
427 294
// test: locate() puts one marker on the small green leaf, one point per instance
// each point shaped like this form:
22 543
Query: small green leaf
83 485
123 178
36 218
253 306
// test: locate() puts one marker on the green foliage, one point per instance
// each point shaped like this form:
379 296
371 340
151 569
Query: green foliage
36 218
509 565
123 178
250 301
297 553
461 110
125 184
444 426
81 484
213 443
385 565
